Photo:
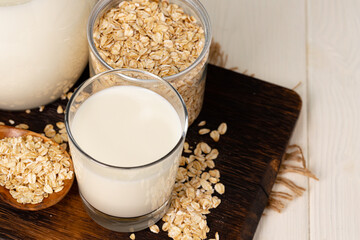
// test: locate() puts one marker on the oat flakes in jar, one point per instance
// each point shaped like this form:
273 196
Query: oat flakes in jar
43 49
168 38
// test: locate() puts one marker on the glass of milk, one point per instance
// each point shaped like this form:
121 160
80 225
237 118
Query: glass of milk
126 132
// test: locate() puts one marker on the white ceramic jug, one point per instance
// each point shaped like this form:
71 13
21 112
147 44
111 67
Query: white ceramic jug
43 49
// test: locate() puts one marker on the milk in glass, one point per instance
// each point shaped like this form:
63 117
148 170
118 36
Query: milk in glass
126 126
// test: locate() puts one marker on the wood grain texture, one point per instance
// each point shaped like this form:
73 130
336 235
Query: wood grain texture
334 129
268 39
260 118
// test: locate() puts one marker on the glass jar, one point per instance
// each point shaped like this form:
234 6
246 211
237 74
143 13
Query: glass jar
43 50
190 82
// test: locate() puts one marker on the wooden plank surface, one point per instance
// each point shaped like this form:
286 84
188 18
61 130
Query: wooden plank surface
334 113
330 115
268 39
260 116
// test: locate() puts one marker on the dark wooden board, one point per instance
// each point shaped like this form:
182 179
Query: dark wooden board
260 117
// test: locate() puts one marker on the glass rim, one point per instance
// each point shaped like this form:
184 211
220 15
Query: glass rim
118 72
202 14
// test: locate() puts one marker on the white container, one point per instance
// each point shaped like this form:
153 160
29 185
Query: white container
43 49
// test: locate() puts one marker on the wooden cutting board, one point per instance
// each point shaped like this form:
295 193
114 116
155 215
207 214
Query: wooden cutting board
260 117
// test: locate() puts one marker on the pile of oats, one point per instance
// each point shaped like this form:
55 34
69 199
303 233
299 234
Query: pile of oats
196 182
32 168
151 35
157 37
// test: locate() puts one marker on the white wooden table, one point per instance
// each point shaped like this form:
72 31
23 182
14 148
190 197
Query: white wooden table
317 43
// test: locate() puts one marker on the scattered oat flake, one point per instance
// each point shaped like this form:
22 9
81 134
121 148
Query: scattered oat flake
2 123
210 164
60 125
22 126
63 96
68 95
205 148
222 128
204 131
202 123
205 175
213 180
174 232
132 236
51 133
48 127
41 108
198 151
63 146
214 173
62 130
64 137
212 155
12 122
58 139
155 228
220 188
60 110
186 147
28 111
215 135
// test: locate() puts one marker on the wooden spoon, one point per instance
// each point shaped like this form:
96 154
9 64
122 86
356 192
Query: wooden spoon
52 199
